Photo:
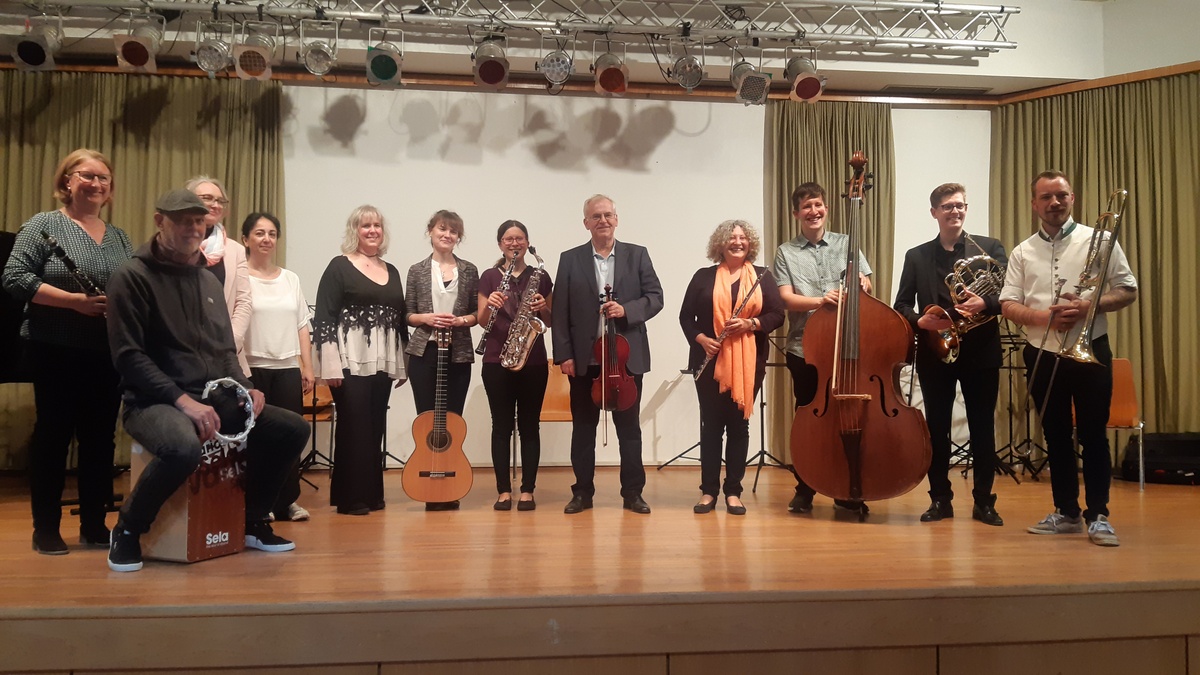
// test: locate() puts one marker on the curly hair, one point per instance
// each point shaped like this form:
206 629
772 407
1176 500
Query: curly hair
721 236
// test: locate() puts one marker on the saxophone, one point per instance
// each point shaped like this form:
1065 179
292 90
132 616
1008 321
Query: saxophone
525 328
504 282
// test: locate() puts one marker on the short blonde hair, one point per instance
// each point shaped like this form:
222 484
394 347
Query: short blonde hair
721 235
350 240
587 203
194 183
63 172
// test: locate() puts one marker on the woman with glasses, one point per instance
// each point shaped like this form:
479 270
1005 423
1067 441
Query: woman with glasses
75 386
510 392
226 260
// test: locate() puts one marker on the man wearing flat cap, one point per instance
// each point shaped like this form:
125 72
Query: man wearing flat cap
170 335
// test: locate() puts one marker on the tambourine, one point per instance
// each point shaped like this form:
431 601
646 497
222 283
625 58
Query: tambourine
246 402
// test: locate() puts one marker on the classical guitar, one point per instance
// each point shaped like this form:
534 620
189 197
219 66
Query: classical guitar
438 470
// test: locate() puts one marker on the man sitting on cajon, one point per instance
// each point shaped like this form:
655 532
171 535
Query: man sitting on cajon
170 335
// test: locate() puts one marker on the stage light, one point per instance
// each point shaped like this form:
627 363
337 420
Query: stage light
252 58
556 65
752 85
491 68
687 69
137 48
610 73
35 49
213 46
318 54
384 59
805 83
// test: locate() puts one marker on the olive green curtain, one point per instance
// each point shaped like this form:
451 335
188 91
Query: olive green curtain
814 143
1144 137
158 132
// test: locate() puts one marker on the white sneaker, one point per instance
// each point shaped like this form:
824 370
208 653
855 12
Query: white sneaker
297 512
1057 523
1101 532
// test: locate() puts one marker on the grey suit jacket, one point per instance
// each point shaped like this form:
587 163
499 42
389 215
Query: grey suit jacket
418 298
575 313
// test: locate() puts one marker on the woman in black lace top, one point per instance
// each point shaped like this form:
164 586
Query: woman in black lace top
358 345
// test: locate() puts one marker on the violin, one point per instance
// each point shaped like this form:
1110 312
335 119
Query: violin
614 389
858 438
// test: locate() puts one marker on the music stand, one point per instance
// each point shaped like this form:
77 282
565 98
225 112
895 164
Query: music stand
1010 453
684 454
762 456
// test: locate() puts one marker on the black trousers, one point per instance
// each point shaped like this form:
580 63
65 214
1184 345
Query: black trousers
362 403
804 386
1089 388
76 393
283 387
980 387
516 394
585 415
720 418
422 377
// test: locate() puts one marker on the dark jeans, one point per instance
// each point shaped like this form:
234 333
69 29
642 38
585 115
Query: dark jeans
362 403
422 377
980 387
272 448
585 416
721 417
516 394
76 394
282 387
1089 387
804 387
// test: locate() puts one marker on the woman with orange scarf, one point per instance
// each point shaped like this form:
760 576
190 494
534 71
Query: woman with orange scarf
730 382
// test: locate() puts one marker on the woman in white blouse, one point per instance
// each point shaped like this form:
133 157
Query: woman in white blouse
277 345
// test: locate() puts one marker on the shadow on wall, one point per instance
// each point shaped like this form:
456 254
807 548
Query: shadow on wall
563 135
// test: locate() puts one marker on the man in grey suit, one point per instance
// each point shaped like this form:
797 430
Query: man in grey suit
583 272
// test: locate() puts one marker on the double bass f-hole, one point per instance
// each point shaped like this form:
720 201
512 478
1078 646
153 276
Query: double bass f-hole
614 389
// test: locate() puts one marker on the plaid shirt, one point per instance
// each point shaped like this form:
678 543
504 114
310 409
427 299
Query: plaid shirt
33 263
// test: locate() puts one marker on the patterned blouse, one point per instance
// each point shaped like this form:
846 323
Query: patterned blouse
360 325
34 263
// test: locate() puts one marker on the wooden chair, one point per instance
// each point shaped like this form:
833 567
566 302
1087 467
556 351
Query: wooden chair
319 408
556 406
1124 413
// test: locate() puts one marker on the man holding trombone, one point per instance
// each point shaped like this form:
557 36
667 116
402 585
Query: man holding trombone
1060 284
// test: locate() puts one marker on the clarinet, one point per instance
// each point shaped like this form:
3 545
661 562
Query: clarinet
89 286
492 319
725 330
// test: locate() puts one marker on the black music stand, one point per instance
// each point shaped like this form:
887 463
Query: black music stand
684 454
761 457
1011 453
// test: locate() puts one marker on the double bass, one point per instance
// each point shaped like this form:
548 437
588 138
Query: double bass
858 439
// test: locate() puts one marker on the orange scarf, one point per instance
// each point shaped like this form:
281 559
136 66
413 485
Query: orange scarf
738 357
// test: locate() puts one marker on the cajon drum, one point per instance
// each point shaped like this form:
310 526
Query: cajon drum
206 517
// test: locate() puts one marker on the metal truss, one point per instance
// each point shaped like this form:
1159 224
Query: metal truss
849 29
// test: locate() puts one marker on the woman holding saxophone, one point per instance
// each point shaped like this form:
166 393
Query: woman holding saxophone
514 301
728 312
975 265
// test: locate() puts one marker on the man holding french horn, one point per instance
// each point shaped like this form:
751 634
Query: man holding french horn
1060 284
957 279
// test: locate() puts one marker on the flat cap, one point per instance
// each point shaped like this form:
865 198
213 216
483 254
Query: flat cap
180 201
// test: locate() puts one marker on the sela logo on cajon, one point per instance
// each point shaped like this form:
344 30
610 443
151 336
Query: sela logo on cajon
216 538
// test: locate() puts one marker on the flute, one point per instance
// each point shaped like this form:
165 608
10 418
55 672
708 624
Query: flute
725 330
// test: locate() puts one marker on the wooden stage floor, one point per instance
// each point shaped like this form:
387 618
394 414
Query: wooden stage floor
411 588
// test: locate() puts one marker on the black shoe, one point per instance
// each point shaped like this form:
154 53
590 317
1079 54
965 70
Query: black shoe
442 506
262 537
637 505
938 509
856 506
734 510
125 552
503 504
95 535
49 543
526 505
800 504
701 507
986 513
578 503
378 506
358 509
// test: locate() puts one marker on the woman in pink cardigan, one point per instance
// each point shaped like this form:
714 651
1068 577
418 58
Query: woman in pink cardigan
226 260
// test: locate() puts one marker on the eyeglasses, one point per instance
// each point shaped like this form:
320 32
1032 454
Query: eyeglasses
88 176
510 241
950 208
210 199
599 217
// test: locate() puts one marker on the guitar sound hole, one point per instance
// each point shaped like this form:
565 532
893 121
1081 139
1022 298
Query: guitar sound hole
438 440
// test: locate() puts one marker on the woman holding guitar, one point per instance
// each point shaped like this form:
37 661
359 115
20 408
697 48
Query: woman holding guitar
728 312
441 297
358 343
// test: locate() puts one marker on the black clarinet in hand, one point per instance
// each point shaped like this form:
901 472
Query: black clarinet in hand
89 286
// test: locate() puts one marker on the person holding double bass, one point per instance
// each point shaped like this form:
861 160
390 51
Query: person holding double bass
974 364
579 317
728 312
